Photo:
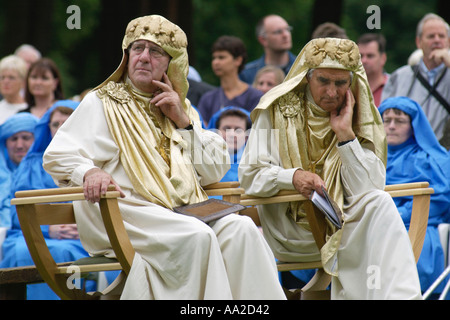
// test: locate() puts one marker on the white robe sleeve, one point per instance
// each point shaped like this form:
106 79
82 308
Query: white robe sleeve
361 170
209 154
82 143
260 170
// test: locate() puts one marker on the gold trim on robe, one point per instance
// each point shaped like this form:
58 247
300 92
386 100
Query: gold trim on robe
153 153
306 138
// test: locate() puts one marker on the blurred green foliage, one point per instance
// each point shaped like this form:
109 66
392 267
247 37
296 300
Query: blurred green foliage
78 55
399 19
213 19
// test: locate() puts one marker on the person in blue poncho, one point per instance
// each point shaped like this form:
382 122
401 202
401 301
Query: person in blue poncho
414 155
233 124
16 138
62 240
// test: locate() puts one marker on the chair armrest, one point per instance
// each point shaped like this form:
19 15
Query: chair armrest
44 207
230 191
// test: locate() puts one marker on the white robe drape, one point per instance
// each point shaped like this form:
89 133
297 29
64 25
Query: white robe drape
374 259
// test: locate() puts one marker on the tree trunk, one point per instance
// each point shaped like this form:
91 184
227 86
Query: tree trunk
326 11
443 9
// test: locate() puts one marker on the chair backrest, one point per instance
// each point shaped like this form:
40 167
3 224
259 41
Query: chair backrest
420 191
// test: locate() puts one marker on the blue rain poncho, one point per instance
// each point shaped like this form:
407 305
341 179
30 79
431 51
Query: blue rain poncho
421 158
31 175
19 122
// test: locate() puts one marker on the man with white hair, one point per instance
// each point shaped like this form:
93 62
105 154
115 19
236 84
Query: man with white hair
428 82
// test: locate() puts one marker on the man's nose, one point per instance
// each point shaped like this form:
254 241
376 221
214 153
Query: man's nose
437 38
20 143
331 91
145 55
390 124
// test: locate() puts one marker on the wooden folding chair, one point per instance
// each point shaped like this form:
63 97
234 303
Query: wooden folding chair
316 287
47 207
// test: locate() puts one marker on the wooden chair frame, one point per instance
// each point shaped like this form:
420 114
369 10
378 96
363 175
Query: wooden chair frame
316 287
46 207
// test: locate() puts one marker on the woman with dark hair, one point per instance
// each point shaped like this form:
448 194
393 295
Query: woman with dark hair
43 86
228 59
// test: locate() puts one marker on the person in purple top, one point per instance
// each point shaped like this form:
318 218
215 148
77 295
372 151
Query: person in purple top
228 59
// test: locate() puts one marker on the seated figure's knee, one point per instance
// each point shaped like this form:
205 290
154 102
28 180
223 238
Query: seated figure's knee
201 234
238 225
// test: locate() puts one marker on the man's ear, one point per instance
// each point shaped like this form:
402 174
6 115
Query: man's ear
418 43
262 40
238 61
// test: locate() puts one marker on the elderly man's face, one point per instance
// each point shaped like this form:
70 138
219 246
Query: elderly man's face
147 61
434 36
328 87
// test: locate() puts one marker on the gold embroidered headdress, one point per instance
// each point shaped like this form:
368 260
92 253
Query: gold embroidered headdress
151 149
306 139
168 36
332 53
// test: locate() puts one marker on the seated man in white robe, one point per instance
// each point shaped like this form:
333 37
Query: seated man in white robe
138 132
320 128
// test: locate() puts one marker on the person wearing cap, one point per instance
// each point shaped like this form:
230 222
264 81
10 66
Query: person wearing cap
415 155
16 137
138 132
321 128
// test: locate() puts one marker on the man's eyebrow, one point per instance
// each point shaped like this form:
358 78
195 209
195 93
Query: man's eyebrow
323 79
327 80
342 81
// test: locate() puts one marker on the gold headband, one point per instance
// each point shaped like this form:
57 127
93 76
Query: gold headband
168 36
328 51
158 30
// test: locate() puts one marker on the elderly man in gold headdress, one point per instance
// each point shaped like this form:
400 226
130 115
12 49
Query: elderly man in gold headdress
320 128
138 132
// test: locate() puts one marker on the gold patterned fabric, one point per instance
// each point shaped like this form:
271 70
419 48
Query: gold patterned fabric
151 149
168 36
306 139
